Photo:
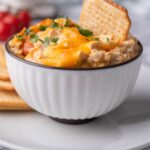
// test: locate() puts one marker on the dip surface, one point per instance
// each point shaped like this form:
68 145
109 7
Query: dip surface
63 43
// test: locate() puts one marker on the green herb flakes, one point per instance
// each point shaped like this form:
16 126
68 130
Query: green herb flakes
42 28
54 40
107 39
20 37
34 38
61 17
96 39
46 41
27 31
55 25
84 32
67 23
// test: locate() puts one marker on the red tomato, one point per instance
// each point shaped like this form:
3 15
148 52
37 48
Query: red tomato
10 23
3 14
27 46
13 21
5 31
24 17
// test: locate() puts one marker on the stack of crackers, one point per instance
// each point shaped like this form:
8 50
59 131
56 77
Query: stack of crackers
9 99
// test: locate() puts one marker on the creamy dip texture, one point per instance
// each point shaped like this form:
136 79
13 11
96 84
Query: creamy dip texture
63 43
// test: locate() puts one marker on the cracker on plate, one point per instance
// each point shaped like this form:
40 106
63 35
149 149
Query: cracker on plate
11 101
2 57
4 74
6 85
3 71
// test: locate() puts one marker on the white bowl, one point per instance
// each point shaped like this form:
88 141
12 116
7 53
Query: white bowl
72 94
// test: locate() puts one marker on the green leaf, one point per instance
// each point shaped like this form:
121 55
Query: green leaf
107 39
93 38
42 28
41 40
77 26
34 38
46 41
61 17
84 32
20 37
54 40
67 23
27 31
96 39
55 25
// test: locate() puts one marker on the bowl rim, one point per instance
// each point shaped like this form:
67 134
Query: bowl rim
71 69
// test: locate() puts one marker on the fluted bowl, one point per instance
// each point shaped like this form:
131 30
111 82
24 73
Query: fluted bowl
72 95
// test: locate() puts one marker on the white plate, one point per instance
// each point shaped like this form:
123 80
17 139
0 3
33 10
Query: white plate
126 128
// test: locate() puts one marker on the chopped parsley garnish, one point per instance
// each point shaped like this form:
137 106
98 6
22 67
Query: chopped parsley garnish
67 20
91 38
96 39
67 23
107 39
34 38
27 31
41 40
20 37
61 17
54 40
46 41
84 32
42 28
55 25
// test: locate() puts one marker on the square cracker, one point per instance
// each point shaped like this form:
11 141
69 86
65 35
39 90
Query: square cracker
6 85
2 57
11 101
105 17
4 74
3 71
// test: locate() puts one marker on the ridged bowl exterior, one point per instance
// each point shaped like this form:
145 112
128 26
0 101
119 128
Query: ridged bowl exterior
73 94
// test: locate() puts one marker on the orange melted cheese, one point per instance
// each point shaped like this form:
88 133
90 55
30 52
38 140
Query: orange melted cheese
66 53
46 22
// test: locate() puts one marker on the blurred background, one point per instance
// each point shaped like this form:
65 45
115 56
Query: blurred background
39 9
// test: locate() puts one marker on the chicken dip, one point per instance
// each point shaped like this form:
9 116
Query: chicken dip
63 43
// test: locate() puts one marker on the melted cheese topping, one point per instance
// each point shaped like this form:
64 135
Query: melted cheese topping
62 43
66 53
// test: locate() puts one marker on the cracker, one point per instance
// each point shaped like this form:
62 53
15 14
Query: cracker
2 57
4 74
11 101
3 71
6 85
105 17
